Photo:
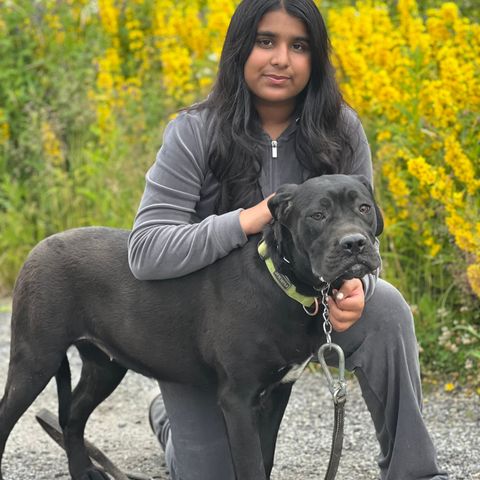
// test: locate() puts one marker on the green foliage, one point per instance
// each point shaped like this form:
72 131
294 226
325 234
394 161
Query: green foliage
56 169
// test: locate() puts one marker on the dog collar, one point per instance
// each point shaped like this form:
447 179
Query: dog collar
285 283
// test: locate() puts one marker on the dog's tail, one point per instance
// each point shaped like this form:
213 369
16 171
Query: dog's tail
64 390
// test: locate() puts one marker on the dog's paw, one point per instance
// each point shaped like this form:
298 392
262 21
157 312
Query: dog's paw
93 473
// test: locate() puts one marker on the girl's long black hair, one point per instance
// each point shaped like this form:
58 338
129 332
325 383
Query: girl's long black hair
322 145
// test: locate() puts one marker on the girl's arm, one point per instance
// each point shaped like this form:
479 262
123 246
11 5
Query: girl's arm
167 240
362 157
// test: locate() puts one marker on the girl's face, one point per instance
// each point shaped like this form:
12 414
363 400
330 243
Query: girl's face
279 65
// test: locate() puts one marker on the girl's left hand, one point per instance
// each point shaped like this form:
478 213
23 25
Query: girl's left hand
253 219
347 304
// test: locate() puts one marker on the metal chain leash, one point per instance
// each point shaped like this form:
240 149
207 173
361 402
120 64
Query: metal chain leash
327 326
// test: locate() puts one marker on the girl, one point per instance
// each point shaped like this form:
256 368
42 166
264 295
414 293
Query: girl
275 115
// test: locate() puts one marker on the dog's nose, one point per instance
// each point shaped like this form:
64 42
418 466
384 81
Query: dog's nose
353 243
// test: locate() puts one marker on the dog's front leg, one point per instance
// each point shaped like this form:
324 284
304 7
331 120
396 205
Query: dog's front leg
270 417
241 422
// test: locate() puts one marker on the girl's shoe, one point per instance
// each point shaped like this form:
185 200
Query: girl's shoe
159 422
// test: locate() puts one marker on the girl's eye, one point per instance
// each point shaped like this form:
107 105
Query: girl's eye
299 47
318 216
365 208
264 42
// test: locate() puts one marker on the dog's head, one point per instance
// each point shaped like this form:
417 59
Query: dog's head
325 228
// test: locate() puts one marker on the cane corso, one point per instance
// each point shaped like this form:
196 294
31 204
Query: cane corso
228 324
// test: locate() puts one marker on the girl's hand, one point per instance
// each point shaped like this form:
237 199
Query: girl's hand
253 219
347 305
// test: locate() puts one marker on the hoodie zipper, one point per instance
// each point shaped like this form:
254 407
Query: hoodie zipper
274 148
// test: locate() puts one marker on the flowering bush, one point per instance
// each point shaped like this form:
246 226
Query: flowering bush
418 86
87 87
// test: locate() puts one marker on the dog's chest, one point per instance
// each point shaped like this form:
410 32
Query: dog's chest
293 372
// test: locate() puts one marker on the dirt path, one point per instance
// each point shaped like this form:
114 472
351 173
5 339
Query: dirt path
120 427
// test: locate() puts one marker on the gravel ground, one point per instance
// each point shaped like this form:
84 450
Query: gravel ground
120 427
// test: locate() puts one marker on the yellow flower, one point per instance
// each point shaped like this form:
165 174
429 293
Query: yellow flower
419 168
4 133
177 71
449 387
430 242
4 128
449 12
105 119
108 16
383 135
473 275
461 165
205 83
436 27
51 145
462 232
442 190
131 89
136 37
219 13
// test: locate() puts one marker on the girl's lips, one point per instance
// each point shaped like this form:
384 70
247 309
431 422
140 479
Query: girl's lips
277 79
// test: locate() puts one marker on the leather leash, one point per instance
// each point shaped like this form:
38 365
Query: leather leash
49 423
337 387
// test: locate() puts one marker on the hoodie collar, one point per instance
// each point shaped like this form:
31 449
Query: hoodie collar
287 133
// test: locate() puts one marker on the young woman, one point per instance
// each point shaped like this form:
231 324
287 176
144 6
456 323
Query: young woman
275 115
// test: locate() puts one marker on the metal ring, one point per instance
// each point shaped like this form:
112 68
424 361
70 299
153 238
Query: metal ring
339 382
312 314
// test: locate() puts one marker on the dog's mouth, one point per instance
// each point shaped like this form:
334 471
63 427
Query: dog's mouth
354 268
357 270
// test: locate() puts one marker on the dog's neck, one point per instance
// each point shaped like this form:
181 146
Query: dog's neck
288 262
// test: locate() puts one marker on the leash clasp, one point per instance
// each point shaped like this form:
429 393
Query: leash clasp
337 386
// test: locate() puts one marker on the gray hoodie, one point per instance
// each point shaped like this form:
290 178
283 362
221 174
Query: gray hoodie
176 231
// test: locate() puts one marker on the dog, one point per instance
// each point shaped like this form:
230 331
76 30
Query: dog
227 325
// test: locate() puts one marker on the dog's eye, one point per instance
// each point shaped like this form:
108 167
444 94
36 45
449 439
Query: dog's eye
318 216
365 208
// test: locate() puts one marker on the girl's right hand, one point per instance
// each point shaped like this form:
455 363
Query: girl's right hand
253 219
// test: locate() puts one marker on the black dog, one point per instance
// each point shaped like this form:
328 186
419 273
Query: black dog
229 324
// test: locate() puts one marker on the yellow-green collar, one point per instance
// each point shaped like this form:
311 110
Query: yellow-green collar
282 280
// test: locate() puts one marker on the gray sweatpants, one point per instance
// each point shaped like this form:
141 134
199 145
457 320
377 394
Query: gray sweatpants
380 348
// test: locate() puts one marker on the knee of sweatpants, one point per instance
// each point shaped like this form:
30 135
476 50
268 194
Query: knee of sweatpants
198 447
386 325
204 462
387 311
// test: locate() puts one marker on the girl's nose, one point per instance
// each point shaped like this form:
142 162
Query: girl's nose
280 56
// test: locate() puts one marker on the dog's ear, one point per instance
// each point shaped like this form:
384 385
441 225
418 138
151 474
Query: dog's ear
280 204
379 215
378 212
